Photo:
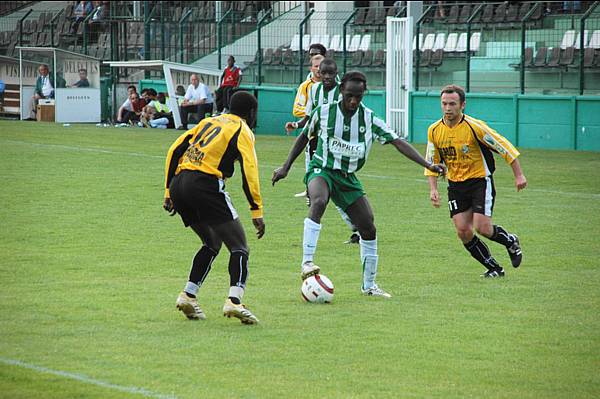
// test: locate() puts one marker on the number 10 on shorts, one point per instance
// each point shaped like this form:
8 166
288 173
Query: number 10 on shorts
452 205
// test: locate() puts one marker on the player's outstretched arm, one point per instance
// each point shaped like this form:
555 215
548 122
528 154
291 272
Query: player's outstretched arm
520 180
411 153
434 195
297 149
291 126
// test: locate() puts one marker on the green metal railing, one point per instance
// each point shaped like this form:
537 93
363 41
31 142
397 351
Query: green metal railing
301 50
345 39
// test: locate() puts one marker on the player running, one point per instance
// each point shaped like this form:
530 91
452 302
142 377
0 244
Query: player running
197 165
345 131
465 145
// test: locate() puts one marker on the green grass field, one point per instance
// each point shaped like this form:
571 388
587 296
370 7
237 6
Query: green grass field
91 265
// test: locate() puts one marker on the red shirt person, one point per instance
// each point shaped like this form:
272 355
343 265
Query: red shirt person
230 80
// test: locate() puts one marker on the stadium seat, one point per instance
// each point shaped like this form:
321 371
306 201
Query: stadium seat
365 43
453 14
523 10
367 59
354 44
578 39
512 13
277 56
370 17
325 41
295 44
380 16
475 42
428 42
414 45
461 45
379 58
553 58
336 43
528 61
437 58
451 42
268 56
500 13
487 15
540 57
330 54
595 40
465 14
568 39
440 41
288 57
306 42
588 57
356 58
567 57
359 18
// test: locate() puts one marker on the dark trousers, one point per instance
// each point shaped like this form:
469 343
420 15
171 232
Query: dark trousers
200 109
224 94
130 116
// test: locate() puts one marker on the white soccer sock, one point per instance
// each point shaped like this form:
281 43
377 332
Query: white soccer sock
309 243
306 158
236 292
346 218
369 258
191 288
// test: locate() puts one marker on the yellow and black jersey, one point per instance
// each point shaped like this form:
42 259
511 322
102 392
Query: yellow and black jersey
302 96
466 148
212 147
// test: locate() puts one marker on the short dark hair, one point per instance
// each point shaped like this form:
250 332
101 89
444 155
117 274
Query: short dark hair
144 91
454 89
241 103
354 76
322 50
232 57
132 87
152 92
328 61
83 70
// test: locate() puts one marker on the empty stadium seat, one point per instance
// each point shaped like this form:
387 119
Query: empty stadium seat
365 43
528 58
588 57
578 39
554 58
354 43
428 42
595 40
451 43
367 58
437 58
568 39
295 44
379 58
540 57
440 41
465 14
414 46
356 58
336 43
453 14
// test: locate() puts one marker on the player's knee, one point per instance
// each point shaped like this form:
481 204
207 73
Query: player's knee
368 232
318 203
465 234
484 230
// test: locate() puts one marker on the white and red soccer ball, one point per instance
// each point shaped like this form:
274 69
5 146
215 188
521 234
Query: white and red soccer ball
317 289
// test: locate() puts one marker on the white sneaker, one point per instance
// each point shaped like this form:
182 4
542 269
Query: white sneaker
189 307
309 269
376 291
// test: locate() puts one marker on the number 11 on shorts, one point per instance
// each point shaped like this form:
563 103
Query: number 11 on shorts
452 205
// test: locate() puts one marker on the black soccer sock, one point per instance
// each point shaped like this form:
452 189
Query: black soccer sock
481 252
238 268
235 300
201 265
502 236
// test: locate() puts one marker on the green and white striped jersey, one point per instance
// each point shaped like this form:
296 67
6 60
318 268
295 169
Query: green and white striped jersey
344 142
318 96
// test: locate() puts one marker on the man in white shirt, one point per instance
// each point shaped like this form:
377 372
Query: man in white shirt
44 88
198 99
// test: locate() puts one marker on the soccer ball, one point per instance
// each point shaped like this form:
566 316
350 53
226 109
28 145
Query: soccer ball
317 289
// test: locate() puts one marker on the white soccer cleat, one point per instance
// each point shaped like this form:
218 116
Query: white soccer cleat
309 269
240 311
189 307
300 195
376 291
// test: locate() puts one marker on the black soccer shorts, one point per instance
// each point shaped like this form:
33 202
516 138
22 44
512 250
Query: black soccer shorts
200 198
477 194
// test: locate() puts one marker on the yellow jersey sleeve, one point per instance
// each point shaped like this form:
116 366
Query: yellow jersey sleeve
174 155
431 153
249 166
493 140
301 99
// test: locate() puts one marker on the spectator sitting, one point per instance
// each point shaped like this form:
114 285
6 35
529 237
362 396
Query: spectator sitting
151 118
131 89
163 110
2 88
101 13
82 10
230 80
198 99
44 88
83 80
131 110
180 94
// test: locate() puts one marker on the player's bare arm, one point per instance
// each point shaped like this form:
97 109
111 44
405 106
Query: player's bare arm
291 126
520 180
259 225
434 195
297 149
411 153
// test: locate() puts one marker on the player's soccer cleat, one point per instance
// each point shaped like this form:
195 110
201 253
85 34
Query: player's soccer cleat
515 253
300 195
494 273
309 269
354 239
240 311
189 307
376 291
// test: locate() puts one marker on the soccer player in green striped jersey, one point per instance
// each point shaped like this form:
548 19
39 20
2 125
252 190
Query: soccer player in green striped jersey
345 131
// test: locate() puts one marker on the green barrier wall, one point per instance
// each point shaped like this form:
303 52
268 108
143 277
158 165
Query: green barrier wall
530 121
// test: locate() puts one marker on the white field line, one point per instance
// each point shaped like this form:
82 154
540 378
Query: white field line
86 379
367 175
